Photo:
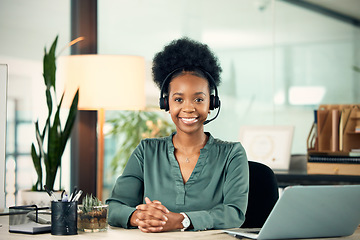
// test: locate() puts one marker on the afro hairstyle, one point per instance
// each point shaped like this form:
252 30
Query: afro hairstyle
185 54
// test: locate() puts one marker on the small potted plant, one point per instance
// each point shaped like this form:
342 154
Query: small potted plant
92 215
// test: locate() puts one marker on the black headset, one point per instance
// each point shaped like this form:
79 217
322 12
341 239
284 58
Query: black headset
214 99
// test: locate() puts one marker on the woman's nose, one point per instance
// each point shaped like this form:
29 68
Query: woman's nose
188 106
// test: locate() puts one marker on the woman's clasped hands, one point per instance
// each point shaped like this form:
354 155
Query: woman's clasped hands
155 217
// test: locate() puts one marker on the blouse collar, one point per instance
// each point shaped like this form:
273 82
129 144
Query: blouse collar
206 147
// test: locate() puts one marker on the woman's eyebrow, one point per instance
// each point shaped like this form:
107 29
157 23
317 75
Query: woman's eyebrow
200 93
181 94
177 93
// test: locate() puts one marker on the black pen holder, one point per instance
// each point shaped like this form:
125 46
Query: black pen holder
63 218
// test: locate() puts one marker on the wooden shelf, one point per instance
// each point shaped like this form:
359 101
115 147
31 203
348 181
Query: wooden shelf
336 126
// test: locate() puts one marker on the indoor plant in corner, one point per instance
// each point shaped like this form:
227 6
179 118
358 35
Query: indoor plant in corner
52 138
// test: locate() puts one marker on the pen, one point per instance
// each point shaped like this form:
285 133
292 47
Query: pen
62 193
51 193
72 194
65 198
77 196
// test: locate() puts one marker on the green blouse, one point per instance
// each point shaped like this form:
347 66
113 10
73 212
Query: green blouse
214 197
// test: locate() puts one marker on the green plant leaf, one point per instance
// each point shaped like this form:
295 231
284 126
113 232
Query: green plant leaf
40 139
49 102
89 202
38 134
49 66
42 154
70 119
54 150
38 168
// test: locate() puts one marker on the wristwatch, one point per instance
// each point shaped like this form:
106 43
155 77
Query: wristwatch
185 222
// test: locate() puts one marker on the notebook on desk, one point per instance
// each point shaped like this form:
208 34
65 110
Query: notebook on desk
310 212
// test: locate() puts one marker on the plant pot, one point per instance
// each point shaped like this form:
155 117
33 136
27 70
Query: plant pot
95 220
39 198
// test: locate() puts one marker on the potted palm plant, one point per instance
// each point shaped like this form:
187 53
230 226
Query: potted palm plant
52 138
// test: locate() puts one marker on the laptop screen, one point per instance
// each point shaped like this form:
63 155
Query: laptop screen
3 100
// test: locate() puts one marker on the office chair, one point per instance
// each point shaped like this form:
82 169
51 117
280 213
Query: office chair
263 194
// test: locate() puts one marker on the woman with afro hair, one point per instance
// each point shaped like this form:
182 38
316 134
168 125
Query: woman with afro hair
189 180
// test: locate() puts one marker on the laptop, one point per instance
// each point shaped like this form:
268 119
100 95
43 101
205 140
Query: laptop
310 212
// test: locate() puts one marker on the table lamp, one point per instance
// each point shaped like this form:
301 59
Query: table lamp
105 82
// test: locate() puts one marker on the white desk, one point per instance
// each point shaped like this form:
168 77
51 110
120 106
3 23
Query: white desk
134 234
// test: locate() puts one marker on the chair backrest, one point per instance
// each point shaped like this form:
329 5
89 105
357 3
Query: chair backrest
263 194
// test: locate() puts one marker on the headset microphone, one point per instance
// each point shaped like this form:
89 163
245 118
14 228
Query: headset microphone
217 114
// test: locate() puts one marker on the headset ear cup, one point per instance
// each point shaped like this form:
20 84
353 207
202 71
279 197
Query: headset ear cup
164 103
211 107
214 102
161 103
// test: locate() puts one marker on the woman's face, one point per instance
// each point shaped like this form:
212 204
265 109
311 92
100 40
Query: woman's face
189 101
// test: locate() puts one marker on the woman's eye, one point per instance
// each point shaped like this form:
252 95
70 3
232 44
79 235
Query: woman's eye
178 100
199 100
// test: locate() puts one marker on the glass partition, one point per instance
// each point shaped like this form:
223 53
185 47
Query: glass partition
280 61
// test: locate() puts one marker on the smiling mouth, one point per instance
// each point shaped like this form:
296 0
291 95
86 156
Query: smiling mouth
189 120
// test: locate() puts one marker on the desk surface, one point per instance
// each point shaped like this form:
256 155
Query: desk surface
134 234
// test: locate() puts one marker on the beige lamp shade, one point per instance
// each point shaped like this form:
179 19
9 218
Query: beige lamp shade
111 82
